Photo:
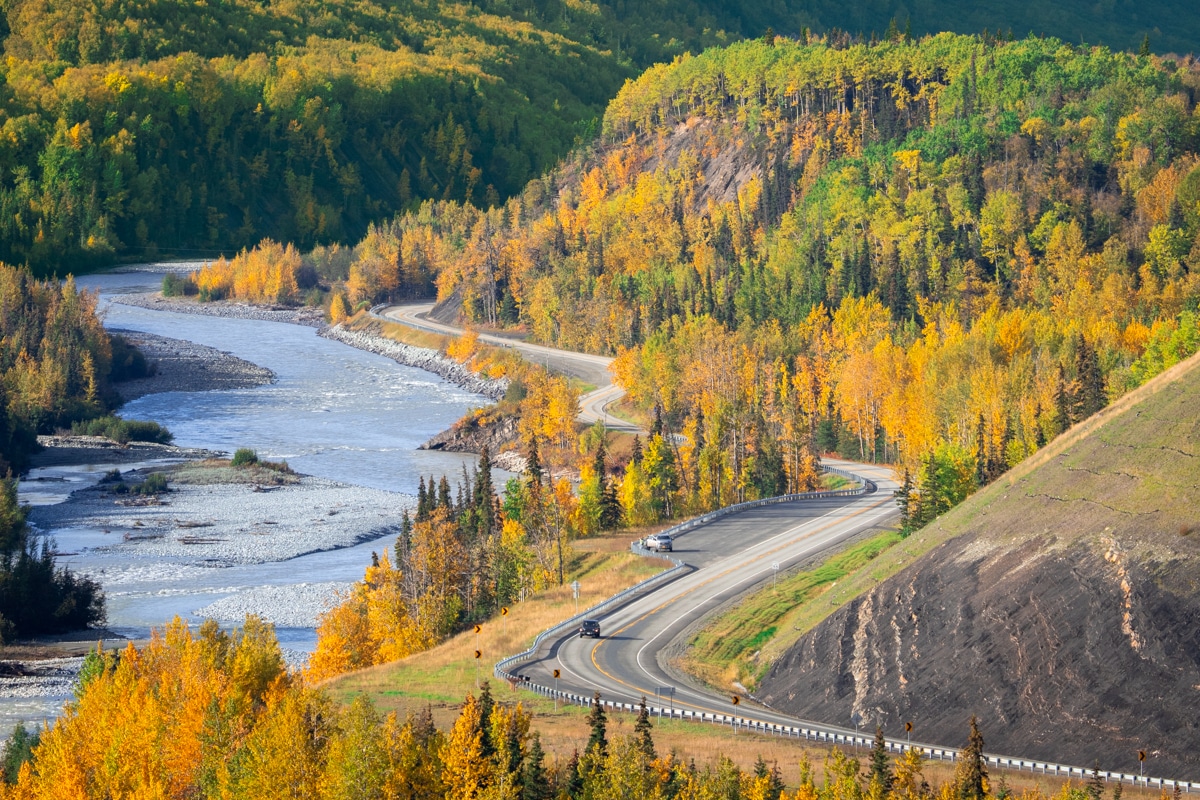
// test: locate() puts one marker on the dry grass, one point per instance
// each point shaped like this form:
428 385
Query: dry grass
397 332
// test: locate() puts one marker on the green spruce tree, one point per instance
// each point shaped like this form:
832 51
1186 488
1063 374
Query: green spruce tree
598 722
971 774
642 732
881 765
535 783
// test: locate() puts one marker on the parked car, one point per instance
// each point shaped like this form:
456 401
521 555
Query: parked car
590 627
660 542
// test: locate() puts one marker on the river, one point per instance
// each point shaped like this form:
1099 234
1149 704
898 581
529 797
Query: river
333 412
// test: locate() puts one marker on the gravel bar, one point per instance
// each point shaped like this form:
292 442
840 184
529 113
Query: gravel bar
183 366
226 524
312 317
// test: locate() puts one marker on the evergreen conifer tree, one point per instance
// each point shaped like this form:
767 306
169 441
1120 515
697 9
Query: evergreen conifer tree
422 501
1062 405
484 496
533 463
534 781
641 731
598 723
904 499
486 706
972 769
574 787
1091 380
881 766
981 453
1095 785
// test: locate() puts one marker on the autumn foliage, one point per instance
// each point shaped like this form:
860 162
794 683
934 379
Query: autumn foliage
210 714
266 274
938 253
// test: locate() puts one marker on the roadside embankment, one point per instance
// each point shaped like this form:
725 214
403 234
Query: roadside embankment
421 358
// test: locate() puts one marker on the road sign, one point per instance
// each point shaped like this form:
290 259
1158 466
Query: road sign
504 611
1141 755
479 629
557 674
478 654
908 727
736 699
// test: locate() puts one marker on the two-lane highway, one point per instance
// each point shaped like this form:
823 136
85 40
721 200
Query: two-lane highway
727 557
588 368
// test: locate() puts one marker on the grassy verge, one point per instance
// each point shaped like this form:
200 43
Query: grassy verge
740 644
832 483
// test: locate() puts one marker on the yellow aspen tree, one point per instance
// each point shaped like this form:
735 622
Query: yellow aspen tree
357 761
466 769
284 757
338 309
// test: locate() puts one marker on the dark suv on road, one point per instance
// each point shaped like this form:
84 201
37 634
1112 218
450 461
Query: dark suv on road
590 627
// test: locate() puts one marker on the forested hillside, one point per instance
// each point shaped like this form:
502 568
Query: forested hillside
130 128
133 127
940 253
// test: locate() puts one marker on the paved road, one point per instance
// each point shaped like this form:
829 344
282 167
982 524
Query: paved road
593 406
728 557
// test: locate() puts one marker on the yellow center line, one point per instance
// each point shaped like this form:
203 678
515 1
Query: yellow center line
704 583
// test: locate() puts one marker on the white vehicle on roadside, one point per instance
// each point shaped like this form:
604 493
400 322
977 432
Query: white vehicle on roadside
660 542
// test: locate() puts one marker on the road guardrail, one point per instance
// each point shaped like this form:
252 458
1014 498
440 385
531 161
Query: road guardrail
803 730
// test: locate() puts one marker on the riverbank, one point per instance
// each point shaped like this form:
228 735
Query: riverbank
182 366
420 357
427 359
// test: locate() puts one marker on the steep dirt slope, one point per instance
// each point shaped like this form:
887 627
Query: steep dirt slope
1062 607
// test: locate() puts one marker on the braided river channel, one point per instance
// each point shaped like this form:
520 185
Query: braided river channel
333 412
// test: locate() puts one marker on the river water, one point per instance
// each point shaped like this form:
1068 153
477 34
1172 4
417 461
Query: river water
333 412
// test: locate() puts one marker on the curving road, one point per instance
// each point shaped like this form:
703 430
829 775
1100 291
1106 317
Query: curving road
593 406
727 558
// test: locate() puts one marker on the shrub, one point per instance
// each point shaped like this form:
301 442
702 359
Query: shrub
123 431
176 285
128 362
155 483
244 457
